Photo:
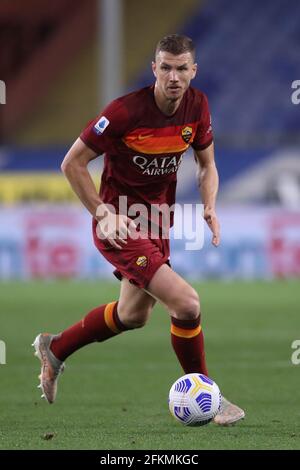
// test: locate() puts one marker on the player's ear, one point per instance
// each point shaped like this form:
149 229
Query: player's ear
194 70
154 68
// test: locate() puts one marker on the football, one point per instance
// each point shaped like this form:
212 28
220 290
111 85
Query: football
194 399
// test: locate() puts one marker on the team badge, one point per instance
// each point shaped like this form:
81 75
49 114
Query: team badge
142 261
187 133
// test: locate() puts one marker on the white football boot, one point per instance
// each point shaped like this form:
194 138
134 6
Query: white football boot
228 414
51 366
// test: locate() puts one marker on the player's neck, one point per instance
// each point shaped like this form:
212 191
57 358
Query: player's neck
166 106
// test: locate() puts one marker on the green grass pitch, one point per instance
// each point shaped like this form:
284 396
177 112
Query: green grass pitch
113 395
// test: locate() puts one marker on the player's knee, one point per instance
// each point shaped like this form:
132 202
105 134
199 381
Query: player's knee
187 306
134 319
134 322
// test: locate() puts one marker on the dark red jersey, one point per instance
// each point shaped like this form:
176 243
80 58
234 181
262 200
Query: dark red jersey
143 147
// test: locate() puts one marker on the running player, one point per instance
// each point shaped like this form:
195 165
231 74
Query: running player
143 136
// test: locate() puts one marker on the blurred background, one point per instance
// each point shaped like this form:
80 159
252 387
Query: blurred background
62 61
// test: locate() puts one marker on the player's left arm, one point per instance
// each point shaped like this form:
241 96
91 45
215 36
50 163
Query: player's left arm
208 183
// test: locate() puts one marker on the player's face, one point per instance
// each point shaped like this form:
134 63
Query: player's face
173 74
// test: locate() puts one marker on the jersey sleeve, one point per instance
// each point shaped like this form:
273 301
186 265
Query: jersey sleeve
204 134
111 124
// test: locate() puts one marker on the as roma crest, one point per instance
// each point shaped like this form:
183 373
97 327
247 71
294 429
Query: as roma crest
142 261
187 133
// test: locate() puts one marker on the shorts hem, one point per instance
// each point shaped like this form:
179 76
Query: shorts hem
141 285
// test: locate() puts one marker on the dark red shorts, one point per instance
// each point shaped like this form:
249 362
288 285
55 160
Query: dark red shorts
138 260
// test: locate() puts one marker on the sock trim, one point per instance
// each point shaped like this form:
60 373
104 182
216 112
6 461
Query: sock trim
184 333
109 317
186 324
117 320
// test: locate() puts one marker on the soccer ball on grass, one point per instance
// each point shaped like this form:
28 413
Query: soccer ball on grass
194 399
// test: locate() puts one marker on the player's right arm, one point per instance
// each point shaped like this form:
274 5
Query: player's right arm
74 167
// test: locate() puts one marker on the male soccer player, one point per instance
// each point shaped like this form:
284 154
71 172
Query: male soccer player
143 136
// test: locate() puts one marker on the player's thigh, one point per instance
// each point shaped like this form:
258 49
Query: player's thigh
135 305
179 297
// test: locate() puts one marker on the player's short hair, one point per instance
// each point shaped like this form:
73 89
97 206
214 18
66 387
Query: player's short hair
176 44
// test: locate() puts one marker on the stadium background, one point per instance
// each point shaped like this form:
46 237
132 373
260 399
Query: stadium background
53 63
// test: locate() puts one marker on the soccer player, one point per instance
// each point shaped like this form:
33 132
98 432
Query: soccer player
143 136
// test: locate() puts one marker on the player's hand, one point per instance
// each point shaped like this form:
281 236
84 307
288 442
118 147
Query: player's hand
212 221
115 228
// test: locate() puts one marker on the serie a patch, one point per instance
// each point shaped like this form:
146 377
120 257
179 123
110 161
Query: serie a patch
101 125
